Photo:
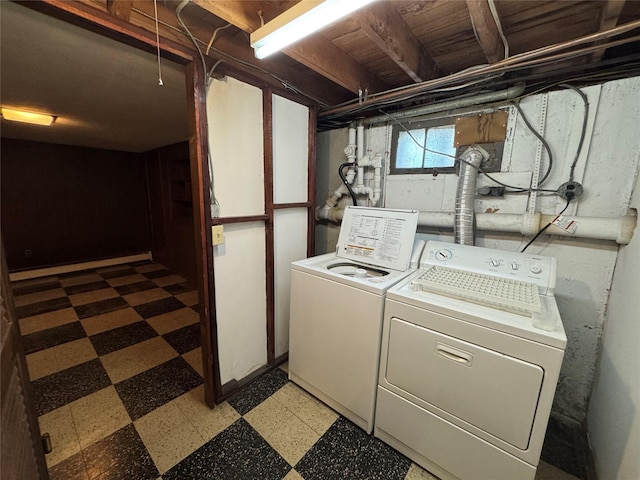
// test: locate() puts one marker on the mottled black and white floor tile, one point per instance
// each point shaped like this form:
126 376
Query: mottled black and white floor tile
158 307
258 391
98 308
42 307
115 362
86 287
135 287
51 337
238 453
153 388
121 337
184 339
63 387
346 451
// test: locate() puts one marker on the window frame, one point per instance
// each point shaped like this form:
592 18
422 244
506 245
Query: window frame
426 125
495 149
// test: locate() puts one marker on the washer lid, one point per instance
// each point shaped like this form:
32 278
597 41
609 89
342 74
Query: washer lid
378 236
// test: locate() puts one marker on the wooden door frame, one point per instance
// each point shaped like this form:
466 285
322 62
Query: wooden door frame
13 363
103 23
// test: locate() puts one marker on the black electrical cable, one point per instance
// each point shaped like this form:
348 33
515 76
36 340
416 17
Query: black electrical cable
569 198
584 125
346 184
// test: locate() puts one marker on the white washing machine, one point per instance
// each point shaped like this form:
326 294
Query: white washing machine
465 389
337 303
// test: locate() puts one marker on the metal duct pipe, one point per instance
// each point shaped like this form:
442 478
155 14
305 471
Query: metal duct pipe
491 97
465 196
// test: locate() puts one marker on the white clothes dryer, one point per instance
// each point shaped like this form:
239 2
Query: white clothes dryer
337 303
468 373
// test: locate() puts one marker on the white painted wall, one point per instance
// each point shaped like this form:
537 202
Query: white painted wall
234 112
290 241
290 185
241 300
606 168
290 151
236 133
613 420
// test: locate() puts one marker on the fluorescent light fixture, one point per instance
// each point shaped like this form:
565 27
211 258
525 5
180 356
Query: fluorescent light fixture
27 117
301 20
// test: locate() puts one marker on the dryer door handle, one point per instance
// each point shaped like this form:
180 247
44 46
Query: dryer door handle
454 354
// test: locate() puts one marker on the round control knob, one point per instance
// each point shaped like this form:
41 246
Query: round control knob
495 262
443 255
536 269
360 273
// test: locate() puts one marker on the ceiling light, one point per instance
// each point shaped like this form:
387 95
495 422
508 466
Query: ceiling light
301 20
27 117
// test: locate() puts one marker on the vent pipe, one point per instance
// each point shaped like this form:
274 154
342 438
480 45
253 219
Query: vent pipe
464 222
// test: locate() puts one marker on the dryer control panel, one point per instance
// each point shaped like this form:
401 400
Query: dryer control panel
537 269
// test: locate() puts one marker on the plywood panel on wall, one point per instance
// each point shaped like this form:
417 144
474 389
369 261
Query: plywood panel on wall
290 151
290 234
241 300
235 120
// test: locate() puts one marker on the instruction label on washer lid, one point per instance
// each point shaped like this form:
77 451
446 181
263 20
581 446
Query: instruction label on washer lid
378 236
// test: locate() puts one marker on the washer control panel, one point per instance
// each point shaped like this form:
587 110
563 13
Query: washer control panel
537 269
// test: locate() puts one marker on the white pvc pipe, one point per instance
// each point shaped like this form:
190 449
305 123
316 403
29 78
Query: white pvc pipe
360 141
618 229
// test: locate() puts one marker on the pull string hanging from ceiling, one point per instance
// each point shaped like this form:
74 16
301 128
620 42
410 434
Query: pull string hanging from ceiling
228 57
155 9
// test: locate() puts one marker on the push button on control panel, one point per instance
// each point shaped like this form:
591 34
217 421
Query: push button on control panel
536 269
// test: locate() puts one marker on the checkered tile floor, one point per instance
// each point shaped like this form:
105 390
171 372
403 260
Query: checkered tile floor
115 365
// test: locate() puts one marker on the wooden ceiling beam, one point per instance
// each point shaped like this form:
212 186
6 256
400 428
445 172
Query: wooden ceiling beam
316 52
486 30
382 23
120 9
609 17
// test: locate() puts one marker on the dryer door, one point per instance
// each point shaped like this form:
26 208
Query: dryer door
487 389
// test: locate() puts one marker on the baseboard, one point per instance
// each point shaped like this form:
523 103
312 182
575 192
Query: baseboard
234 386
76 267
281 359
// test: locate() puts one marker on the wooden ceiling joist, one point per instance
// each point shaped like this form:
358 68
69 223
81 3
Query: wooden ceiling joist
120 9
382 23
486 30
611 10
316 53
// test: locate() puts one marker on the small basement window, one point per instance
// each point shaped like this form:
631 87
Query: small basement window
416 149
